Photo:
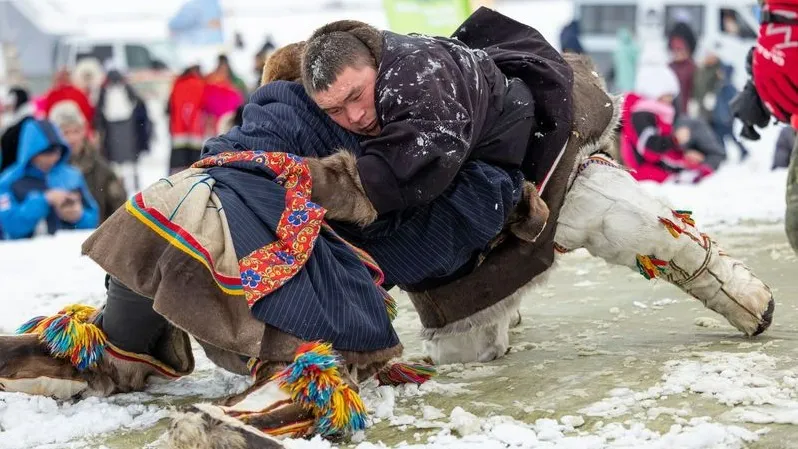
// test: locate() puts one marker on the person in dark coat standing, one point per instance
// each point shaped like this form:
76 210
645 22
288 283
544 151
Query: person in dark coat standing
713 91
570 38
426 105
682 44
22 111
121 118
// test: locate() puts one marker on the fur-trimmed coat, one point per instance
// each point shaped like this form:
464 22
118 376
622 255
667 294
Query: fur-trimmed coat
497 97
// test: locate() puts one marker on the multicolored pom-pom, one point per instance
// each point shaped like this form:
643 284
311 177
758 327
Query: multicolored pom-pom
314 382
69 335
400 373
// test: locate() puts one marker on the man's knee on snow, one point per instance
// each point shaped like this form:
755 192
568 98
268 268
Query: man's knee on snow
481 337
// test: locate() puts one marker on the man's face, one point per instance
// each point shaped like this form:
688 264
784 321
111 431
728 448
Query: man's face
349 101
46 160
75 135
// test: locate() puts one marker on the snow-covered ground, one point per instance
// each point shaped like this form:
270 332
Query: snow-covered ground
746 384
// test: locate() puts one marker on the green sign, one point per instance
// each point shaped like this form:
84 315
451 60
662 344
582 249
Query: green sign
431 17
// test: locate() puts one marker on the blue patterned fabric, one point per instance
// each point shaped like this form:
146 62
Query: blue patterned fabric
333 298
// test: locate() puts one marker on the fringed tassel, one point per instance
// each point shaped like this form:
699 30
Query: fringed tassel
314 382
390 304
400 373
672 227
253 365
346 414
686 216
68 335
651 267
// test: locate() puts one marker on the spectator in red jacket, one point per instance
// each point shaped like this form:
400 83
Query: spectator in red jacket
649 144
64 90
187 118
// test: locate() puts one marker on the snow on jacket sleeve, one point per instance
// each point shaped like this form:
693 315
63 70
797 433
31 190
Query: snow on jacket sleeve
19 219
426 135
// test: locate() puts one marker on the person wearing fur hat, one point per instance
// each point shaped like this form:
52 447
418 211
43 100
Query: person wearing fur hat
238 238
103 183
649 145
425 105
229 239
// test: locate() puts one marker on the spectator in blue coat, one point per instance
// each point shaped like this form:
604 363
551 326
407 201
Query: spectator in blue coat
41 193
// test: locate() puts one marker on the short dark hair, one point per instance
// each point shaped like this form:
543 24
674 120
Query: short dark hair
336 46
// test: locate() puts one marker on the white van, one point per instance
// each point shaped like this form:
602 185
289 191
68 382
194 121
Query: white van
147 64
651 19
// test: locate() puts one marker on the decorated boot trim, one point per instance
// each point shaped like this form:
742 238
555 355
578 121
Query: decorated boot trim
294 430
651 267
686 216
601 159
69 335
400 373
676 230
314 382
162 368
700 271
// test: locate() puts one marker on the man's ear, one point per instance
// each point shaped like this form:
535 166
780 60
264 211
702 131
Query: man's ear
284 64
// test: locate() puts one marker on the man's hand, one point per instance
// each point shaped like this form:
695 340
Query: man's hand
682 135
55 197
775 61
71 209
337 188
693 158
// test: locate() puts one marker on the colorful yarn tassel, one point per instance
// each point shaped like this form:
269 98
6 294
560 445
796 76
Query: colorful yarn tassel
346 414
405 373
314 382
68 335
651 267
686 216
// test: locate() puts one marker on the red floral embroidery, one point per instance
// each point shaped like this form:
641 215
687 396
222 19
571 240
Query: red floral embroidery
268 268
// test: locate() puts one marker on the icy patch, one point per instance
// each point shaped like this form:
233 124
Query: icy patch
466 431
708 322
